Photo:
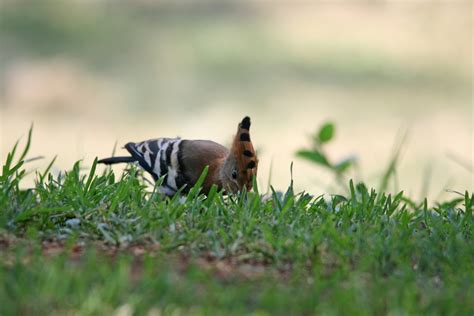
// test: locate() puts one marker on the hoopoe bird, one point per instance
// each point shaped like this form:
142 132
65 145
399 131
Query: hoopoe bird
181 162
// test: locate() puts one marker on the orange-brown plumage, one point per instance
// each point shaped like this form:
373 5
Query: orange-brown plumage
242 149
213 175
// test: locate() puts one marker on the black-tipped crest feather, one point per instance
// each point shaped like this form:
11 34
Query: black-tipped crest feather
245 124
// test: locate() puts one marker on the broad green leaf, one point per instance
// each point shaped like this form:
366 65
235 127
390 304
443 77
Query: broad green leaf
326 133
314 156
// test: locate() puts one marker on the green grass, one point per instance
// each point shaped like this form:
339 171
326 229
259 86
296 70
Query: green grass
93 243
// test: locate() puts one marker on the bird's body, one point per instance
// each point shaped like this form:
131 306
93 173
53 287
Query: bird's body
181 162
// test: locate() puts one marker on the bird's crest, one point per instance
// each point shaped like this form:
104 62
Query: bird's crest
244 153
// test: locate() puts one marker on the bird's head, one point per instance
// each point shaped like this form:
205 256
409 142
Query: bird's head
241 164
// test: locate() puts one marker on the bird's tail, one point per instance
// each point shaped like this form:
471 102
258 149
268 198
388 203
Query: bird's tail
114 160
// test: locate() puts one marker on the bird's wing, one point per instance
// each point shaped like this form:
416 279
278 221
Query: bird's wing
159 157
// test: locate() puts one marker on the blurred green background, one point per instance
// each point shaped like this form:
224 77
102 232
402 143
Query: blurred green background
90 73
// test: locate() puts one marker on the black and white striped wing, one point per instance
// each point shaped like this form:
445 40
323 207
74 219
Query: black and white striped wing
160 157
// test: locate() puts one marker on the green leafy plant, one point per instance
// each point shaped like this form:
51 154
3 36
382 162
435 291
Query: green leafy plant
318 155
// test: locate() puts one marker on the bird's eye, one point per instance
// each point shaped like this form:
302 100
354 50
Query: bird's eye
234 174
